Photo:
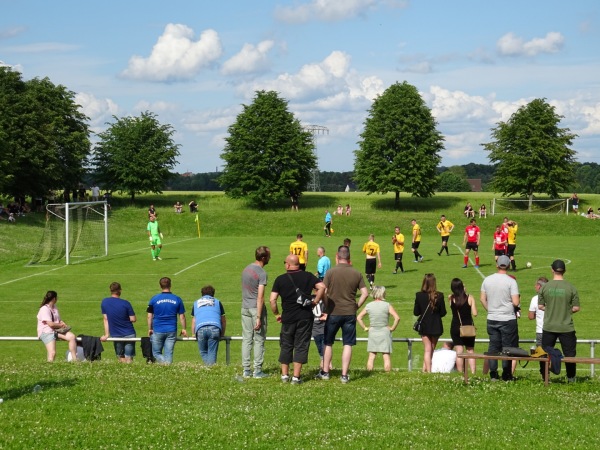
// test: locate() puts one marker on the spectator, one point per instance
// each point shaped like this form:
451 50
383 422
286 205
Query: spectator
348 209
469 212
380 332
107 198
50 327
11 218
342 283
297 316
464 310
340 210
208 324
118 323
536 313
482 211
95 193
444 359
254 313
430 307
178 207
500 296
559 300
163 310
152 211
193 206
575 202
318 330
294 198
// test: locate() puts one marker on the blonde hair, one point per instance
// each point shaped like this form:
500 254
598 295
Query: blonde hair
378 292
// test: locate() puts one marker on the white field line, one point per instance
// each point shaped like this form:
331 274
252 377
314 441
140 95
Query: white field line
200 262
33 275
470 260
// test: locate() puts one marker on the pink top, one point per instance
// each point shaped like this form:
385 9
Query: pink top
46 314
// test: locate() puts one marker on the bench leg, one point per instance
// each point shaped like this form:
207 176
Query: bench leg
466 370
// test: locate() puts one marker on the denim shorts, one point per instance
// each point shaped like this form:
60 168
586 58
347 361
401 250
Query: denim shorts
125 349
46 338
348 326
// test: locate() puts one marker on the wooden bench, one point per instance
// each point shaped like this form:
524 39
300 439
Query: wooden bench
466 356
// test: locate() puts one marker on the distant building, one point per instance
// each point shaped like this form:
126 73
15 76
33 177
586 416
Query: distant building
475 184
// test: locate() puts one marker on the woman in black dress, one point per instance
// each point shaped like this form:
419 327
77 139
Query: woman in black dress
463 310
430 306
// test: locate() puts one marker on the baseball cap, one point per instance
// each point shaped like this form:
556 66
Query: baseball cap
503 261
559 265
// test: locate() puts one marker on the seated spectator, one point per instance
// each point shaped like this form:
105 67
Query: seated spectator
469 212
193 206
348 209
340 210
152 211
482 211
444 359
178 207
11 218
591 215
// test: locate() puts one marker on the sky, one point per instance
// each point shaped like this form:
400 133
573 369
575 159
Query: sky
195 63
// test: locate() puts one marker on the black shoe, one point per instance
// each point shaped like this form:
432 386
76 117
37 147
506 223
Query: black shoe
440 254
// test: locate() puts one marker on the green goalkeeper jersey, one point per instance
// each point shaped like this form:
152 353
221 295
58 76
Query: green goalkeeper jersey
153 228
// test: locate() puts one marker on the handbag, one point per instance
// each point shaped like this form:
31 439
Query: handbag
417 325
62 330
303 299
466 330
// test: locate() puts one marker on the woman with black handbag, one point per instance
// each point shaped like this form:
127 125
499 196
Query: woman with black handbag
462 328
430 307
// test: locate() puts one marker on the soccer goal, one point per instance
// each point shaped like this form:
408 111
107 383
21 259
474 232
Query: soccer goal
511 205
74 231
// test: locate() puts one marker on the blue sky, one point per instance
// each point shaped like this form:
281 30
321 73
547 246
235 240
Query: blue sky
194 63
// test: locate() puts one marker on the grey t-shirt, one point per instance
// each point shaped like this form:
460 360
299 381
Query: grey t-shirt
252 277
499 289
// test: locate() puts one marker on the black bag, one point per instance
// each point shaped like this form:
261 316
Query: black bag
302 299
417 325
514 351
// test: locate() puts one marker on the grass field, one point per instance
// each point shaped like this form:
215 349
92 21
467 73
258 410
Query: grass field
107 405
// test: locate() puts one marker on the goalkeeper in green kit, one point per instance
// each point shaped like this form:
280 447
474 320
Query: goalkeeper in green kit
155 237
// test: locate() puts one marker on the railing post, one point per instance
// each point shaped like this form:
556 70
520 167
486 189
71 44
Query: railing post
227 350
592 352
409 355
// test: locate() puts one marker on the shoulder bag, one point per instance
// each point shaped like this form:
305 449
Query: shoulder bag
466 330
417 325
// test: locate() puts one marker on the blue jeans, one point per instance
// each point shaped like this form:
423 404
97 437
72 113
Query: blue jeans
208 343
162 346
348 326
125 349
502 334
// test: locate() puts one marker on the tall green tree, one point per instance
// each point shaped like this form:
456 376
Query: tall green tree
532 152
400 145
450 181
135 155
44 137
268 155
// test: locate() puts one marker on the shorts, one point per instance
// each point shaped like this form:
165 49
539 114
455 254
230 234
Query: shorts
499 252
398 256
472 246
371 265
445 238
348 326
415 245
156 240
511 249
46 338
125 349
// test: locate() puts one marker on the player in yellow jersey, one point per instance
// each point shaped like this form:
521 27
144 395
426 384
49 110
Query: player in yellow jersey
444 227
371 250
300 249
416 240
398 241
512 228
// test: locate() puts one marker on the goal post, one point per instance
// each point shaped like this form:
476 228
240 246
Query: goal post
505 205
74 231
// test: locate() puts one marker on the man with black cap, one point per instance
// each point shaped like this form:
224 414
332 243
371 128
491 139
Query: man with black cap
559 300
500 296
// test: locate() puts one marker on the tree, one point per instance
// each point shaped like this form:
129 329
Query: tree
135 155
532 152
44 138
449 181
268 155
400 145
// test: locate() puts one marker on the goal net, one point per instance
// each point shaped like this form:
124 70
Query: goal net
508 205
74 231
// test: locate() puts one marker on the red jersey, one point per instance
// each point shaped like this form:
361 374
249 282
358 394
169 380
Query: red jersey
472 232
500 239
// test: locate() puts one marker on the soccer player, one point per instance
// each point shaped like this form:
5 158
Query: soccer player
398 241
512 242
300 249
371 250
416 240
155 237
444 227
499 244
471 242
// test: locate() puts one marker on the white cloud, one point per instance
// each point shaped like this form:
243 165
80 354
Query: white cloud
449 105
512 45
11 32
155 107
176 56
99 111
250 59
331 10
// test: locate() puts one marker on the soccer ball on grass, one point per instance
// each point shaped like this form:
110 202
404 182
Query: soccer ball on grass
528 265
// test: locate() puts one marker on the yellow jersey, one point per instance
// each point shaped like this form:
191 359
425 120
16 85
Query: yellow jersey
399 243
416 233
444 227
371 249
512 234
300 249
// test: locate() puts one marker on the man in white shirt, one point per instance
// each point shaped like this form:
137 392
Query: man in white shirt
444 359
536 313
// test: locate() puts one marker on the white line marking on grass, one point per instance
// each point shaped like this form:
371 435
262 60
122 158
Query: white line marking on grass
34 275
200 262
472 262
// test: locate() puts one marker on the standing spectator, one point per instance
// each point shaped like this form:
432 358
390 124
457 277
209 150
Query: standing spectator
163 310
513 227
208 324
444 227
152 211
95 193
430 307
500 296
297 315
300 249
482 211
342 283
82 194
416 240
398 241
294 198
464 310
499 243
318 330
471 242
155 237
371 251
444 359
575 202
559 300
379 329
50 327
119 318
348 241
254 313
327 226
536 313
323 264
107 197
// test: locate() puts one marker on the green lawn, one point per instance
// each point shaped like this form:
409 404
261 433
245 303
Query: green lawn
107 405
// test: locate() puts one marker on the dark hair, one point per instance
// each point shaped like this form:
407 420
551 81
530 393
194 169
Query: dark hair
343 252
262 253
165 283
115 287
50 295
459 296
208 290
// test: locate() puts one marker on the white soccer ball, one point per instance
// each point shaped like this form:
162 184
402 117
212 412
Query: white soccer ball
528 265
